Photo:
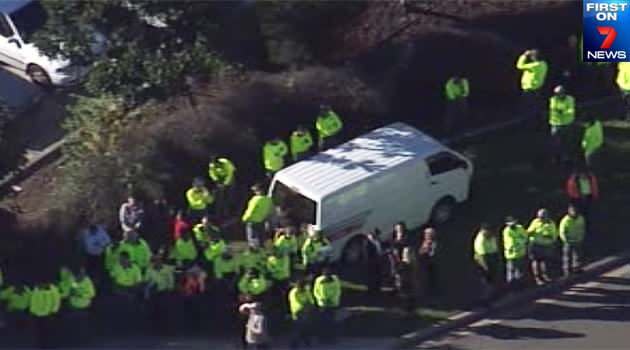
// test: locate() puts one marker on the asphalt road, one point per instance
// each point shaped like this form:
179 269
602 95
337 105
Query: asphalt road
592 315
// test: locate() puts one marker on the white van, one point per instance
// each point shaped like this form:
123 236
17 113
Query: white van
19 19
395 173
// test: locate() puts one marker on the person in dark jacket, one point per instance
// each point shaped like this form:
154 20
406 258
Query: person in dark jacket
373 252
426 261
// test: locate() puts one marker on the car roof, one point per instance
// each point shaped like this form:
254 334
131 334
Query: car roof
10 6
365 156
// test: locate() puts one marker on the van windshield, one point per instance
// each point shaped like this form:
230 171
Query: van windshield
301 210
29 19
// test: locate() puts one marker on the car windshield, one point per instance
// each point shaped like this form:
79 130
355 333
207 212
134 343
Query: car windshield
301 210
29 19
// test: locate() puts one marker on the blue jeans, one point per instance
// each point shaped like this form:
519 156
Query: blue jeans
571 254
254 232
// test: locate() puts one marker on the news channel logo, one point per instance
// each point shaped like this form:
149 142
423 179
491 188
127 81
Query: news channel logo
606 30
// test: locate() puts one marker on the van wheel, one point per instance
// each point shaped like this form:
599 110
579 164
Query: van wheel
443 211
353 251
38 75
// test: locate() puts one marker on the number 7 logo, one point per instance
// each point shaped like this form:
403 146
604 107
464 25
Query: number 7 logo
610 34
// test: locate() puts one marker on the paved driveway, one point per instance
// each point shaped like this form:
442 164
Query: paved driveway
591 315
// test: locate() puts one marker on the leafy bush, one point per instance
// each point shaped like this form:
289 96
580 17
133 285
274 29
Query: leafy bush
99 169
153 47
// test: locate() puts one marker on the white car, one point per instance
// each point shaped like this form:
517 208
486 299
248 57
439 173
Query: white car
19 19
395 173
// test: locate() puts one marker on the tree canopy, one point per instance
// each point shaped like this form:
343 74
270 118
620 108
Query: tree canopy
152 45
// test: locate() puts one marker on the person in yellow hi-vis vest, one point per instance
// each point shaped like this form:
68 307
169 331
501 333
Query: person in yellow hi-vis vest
456 91
534 73
327 293
222 173
561 118
273 153
44 305
623 82
514 251
328 125
592 140
255 217
301 143
199 199
543 234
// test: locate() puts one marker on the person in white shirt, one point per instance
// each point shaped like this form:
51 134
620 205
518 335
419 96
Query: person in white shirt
256 328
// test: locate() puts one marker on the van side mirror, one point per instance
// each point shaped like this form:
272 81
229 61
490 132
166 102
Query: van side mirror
16 42
463 164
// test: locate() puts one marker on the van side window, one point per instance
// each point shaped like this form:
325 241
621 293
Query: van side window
5 28
443 162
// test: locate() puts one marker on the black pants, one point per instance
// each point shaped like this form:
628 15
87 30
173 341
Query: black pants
302 332
456 115
45 329
326 328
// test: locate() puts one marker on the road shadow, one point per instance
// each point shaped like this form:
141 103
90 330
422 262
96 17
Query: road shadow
505 332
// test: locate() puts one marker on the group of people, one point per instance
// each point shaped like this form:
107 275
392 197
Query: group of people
285 265
328 126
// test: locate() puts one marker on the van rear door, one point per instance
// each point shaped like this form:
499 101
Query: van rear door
300 208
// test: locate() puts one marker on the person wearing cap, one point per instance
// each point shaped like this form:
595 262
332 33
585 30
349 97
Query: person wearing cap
514 251
327 293
486 256
302 309
255 217
273 154
138 250
543 234
199 199
532 80
561 117
328 125
572 231
427 260
301 143
623 82
456 91
256 327
592 139
314 251
222 173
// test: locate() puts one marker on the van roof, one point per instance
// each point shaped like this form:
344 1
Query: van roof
10 6
365 156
